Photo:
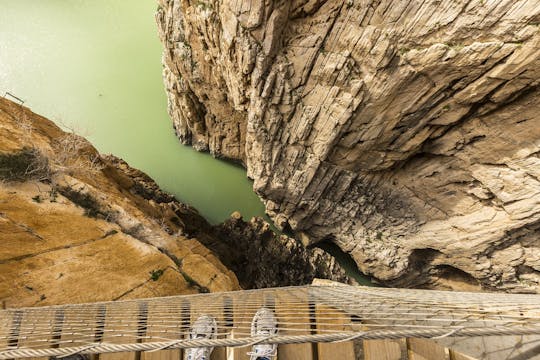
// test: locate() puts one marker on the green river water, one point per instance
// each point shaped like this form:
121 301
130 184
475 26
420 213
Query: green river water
95 66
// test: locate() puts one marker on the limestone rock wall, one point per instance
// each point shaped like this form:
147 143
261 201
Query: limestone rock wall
77 227
407 132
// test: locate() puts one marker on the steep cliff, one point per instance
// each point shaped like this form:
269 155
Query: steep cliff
407 132
74 227
78 226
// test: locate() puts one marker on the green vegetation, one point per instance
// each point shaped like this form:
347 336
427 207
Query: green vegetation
194 283
156 274
455 46
53 194
204 5
403 50
91 206
27 164
37 199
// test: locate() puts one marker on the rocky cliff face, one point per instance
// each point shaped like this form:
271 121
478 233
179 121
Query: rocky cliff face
407 132
76 227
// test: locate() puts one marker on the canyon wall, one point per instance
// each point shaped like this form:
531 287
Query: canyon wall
77 227
407 132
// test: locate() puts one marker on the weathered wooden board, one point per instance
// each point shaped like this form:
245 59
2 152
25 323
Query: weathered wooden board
330 318
385 349
294 310
35 331
422 349
163 324
213 306
121 328
244 310
9 327
454 355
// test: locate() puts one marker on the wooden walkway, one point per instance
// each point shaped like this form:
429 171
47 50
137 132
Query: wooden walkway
313 316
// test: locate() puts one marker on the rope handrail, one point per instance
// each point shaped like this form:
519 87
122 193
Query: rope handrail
100 348
304 314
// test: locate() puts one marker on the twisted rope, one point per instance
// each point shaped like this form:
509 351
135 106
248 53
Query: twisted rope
303 314
99 348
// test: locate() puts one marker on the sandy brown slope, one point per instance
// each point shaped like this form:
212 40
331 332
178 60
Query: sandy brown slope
73 229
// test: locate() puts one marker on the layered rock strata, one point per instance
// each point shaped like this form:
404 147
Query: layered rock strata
258 257
73 227
262 259
407 132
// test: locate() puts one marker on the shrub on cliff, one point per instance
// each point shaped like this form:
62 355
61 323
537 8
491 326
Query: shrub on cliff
26 164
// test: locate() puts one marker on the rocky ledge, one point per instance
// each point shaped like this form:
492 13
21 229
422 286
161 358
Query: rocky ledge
77 226
73 228
407 132
252 250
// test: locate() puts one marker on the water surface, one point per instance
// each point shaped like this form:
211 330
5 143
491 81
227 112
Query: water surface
95 65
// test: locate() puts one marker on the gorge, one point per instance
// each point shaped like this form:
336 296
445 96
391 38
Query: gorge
76 63
405 132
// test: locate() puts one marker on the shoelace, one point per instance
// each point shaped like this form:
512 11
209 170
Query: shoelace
265 353
198 354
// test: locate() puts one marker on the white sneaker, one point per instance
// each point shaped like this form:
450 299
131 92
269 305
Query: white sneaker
205 327
264 323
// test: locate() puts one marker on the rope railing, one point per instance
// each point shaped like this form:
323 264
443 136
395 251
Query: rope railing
304 314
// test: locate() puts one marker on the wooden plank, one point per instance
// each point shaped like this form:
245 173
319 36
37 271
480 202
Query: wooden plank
331 319
385 349
244 310
79 326
6 319
422 349
36 330
219 353
121 327
10 326
225 325
454 355
294 310
166 323
495 347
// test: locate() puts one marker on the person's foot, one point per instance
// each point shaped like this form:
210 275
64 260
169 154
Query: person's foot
264 323
205 327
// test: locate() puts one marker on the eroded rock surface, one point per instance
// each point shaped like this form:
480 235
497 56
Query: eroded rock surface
75 227
262 259
251 249
407 132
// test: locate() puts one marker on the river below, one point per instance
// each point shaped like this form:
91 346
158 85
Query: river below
95 66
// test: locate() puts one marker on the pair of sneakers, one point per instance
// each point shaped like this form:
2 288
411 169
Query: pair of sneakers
264 323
